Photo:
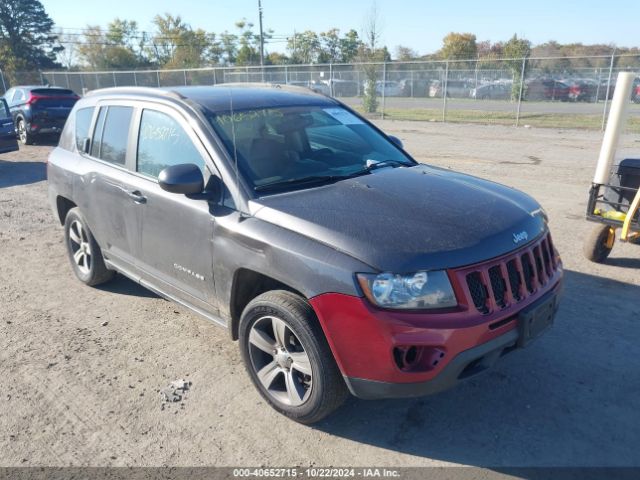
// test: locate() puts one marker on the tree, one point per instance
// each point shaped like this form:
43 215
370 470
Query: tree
515 51
459 46
275 58
350 43
26 38
68 55
228 47
330 46
304 47
370 52
405 54
177 45
115 48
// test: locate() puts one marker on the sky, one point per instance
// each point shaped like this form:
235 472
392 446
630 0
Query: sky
420 25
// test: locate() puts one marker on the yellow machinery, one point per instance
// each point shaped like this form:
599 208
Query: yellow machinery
614 198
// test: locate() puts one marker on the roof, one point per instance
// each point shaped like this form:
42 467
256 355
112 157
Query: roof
244 96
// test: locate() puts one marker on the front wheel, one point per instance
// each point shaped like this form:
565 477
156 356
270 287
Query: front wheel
599 243
288 358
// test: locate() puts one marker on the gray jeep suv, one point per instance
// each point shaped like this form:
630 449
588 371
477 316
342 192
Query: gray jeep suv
338 262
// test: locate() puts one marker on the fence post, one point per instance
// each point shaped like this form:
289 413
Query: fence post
331 80
97 81
606 98
412 83
444 92
67 77
214 76
524 62
286 75
158 77
184 73
384 86
135 78
41 79
4 85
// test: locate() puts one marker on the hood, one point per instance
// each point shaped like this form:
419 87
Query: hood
406 219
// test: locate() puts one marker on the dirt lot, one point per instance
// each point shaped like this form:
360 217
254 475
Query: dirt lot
81 368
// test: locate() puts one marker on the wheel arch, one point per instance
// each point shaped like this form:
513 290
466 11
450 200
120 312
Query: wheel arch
248 284
63 205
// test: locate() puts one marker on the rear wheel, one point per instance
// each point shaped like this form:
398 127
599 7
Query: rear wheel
25 137
84 253
288 358
599 243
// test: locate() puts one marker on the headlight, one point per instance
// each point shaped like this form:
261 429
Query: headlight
417 291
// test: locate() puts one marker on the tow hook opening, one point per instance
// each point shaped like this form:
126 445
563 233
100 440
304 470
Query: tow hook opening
415 358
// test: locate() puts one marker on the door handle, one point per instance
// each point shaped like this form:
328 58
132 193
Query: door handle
137 197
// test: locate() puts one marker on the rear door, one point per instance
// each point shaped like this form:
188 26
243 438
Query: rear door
176 252
8 141
109 199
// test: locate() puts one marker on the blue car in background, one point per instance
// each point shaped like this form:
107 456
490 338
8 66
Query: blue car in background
8 142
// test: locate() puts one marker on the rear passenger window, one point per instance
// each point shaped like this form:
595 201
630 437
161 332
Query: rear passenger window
83 123
111 134
162 143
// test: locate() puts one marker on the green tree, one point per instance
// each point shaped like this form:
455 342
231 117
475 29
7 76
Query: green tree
350 44
304 47
369 53
228 47
26 38
116 47
515 50
330 46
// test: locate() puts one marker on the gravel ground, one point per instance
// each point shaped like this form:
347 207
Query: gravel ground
82 368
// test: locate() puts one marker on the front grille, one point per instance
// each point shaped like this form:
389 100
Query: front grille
514 279
498 285
501 283
478 291
527 271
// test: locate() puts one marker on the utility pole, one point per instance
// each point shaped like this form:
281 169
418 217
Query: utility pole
261 35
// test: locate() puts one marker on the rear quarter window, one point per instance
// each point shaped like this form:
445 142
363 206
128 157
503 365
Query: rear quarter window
82 125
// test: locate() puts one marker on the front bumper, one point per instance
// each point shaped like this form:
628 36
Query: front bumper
466 364
368 342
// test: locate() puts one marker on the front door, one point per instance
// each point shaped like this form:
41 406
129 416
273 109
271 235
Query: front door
177 231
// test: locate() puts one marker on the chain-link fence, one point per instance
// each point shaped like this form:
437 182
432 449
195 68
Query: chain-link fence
570 92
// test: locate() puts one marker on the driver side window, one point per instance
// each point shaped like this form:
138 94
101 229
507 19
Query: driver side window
162 142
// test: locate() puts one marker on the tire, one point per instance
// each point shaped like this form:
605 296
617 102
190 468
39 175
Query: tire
274 326
83 250
25 137
595 248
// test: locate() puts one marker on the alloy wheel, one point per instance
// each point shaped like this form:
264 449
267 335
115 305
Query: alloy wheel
22 131
280 361
80 247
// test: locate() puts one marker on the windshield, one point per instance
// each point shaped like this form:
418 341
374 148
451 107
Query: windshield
279 146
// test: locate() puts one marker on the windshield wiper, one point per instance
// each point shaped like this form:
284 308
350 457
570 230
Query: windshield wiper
321 179
311 179
381 164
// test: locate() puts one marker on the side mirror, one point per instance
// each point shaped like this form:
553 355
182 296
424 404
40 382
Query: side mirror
185 178
396 140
